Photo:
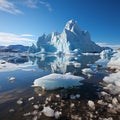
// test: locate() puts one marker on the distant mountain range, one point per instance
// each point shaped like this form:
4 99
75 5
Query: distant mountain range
14 48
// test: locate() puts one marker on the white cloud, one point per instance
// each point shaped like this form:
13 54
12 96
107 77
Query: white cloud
9 7
26 35
35 3
47 5
14 39
114 46
31 3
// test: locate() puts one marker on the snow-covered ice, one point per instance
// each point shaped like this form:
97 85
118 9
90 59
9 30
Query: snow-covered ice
54 81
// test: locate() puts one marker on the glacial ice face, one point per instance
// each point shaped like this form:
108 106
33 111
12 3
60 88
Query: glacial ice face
70 39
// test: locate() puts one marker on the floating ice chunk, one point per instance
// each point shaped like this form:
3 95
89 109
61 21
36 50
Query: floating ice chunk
31 98
2 62
77 95
57 114
12 79
115 61
49 112
57 96
114 101
77 65
35 118
27 114
36 106
11 110
87 71
54 81
87 54
72 97
91 104
19 102
113 78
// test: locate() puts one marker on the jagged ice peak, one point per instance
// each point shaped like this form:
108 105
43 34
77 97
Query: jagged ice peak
72 38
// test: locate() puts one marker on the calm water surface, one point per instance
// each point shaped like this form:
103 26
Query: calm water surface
27 69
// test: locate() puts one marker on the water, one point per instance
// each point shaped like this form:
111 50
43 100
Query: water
27 69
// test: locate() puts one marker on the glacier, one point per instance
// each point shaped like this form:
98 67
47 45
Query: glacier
71 40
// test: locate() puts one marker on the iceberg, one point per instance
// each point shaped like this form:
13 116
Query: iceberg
71 40
54 81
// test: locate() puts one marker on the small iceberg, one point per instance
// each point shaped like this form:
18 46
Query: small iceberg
54 81
87 71
11 79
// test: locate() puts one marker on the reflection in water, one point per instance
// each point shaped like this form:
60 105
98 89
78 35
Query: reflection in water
59 66
63 64
46 63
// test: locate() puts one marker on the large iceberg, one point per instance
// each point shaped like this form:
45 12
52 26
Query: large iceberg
72 39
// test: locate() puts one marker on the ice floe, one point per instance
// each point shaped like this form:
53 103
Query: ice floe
54 81
115 61
113 80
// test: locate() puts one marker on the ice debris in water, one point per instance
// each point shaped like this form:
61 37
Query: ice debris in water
49 112
20 101
31 98
91 104
11 110
57 114
11 79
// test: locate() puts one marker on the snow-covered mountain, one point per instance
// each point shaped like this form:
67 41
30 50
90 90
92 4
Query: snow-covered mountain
71 40
14 48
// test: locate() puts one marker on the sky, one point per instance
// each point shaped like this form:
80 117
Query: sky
23 21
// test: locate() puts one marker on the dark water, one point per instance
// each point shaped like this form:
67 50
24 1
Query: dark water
27 69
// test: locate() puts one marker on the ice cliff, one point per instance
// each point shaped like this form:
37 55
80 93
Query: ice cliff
71 40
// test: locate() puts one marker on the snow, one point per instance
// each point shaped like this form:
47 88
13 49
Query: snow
71 40
54 81
49 112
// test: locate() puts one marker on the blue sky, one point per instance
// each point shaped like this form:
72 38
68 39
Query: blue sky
23 21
